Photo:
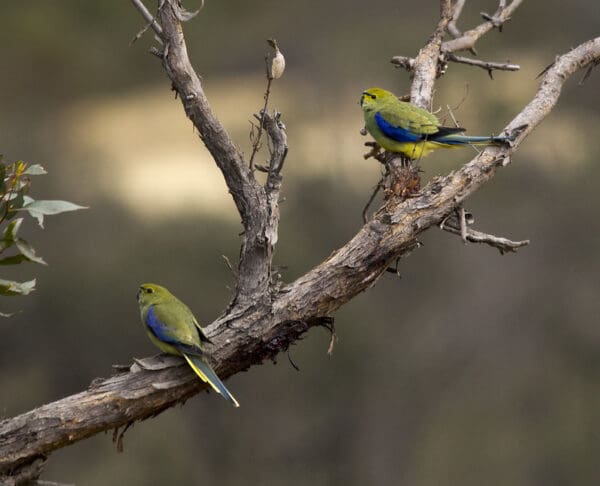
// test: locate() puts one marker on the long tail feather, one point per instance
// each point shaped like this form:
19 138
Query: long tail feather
464 139
207 375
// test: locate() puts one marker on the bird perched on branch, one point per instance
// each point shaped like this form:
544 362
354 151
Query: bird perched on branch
173 328
401 127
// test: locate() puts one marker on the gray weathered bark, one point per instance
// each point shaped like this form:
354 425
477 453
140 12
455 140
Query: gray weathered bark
266 316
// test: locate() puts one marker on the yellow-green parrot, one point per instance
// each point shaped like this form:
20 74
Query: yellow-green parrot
173 328
401 127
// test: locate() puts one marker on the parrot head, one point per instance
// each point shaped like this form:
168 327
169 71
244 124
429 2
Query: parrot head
149 294
373 97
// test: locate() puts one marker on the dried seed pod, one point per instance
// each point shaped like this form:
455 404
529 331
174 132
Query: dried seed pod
275 62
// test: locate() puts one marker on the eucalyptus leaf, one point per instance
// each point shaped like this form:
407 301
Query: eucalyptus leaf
9 235
28 252
35 169
13 260
10 287
16 204
40 208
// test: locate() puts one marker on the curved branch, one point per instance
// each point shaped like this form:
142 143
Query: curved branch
249 196
433 59
468 39
255 334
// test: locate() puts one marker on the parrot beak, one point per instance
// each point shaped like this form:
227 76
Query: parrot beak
362 98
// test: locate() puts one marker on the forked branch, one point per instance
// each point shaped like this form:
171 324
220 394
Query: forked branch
248 334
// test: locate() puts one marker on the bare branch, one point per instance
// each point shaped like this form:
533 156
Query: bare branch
408 63
275 65
456 11
469 38
405 62
487 65
276 131
189 88
151 22
426 62
378 187
458 226
50 483
249 334
261 122
254 267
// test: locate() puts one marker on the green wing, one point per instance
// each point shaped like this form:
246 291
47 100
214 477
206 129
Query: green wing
174 322
410 117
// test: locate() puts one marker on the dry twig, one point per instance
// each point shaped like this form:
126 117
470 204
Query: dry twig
487 65
266 317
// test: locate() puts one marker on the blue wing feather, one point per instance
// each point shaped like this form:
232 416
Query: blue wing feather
164 333
159 328
398 134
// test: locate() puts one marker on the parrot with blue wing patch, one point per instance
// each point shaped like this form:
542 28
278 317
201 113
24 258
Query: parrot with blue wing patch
173 328
401 127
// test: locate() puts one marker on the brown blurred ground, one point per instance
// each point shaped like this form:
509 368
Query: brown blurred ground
471 369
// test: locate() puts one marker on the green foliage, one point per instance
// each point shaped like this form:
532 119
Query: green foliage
15 181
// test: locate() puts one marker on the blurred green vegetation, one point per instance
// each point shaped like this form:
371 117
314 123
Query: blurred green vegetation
472 368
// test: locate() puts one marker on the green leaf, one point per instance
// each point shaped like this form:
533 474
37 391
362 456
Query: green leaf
10 287
16 204
13 260
11 196
35 169
9 235
28 252
38 209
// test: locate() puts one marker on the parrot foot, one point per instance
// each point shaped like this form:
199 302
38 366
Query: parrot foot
514 133
375 151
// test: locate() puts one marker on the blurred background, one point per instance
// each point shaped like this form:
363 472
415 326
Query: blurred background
472 368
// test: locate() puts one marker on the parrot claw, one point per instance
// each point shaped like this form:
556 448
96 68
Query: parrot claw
514 133
374 152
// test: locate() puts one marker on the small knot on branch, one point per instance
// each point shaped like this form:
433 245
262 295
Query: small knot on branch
407 63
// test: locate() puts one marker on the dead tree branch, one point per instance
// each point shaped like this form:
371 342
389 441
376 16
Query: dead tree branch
468 39
426 63
452 29
487 65
459 226
254 267
266 318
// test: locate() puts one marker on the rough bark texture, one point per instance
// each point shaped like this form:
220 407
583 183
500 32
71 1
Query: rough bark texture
267 316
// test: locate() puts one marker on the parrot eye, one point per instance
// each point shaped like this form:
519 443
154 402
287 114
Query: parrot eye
372 96
149 290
